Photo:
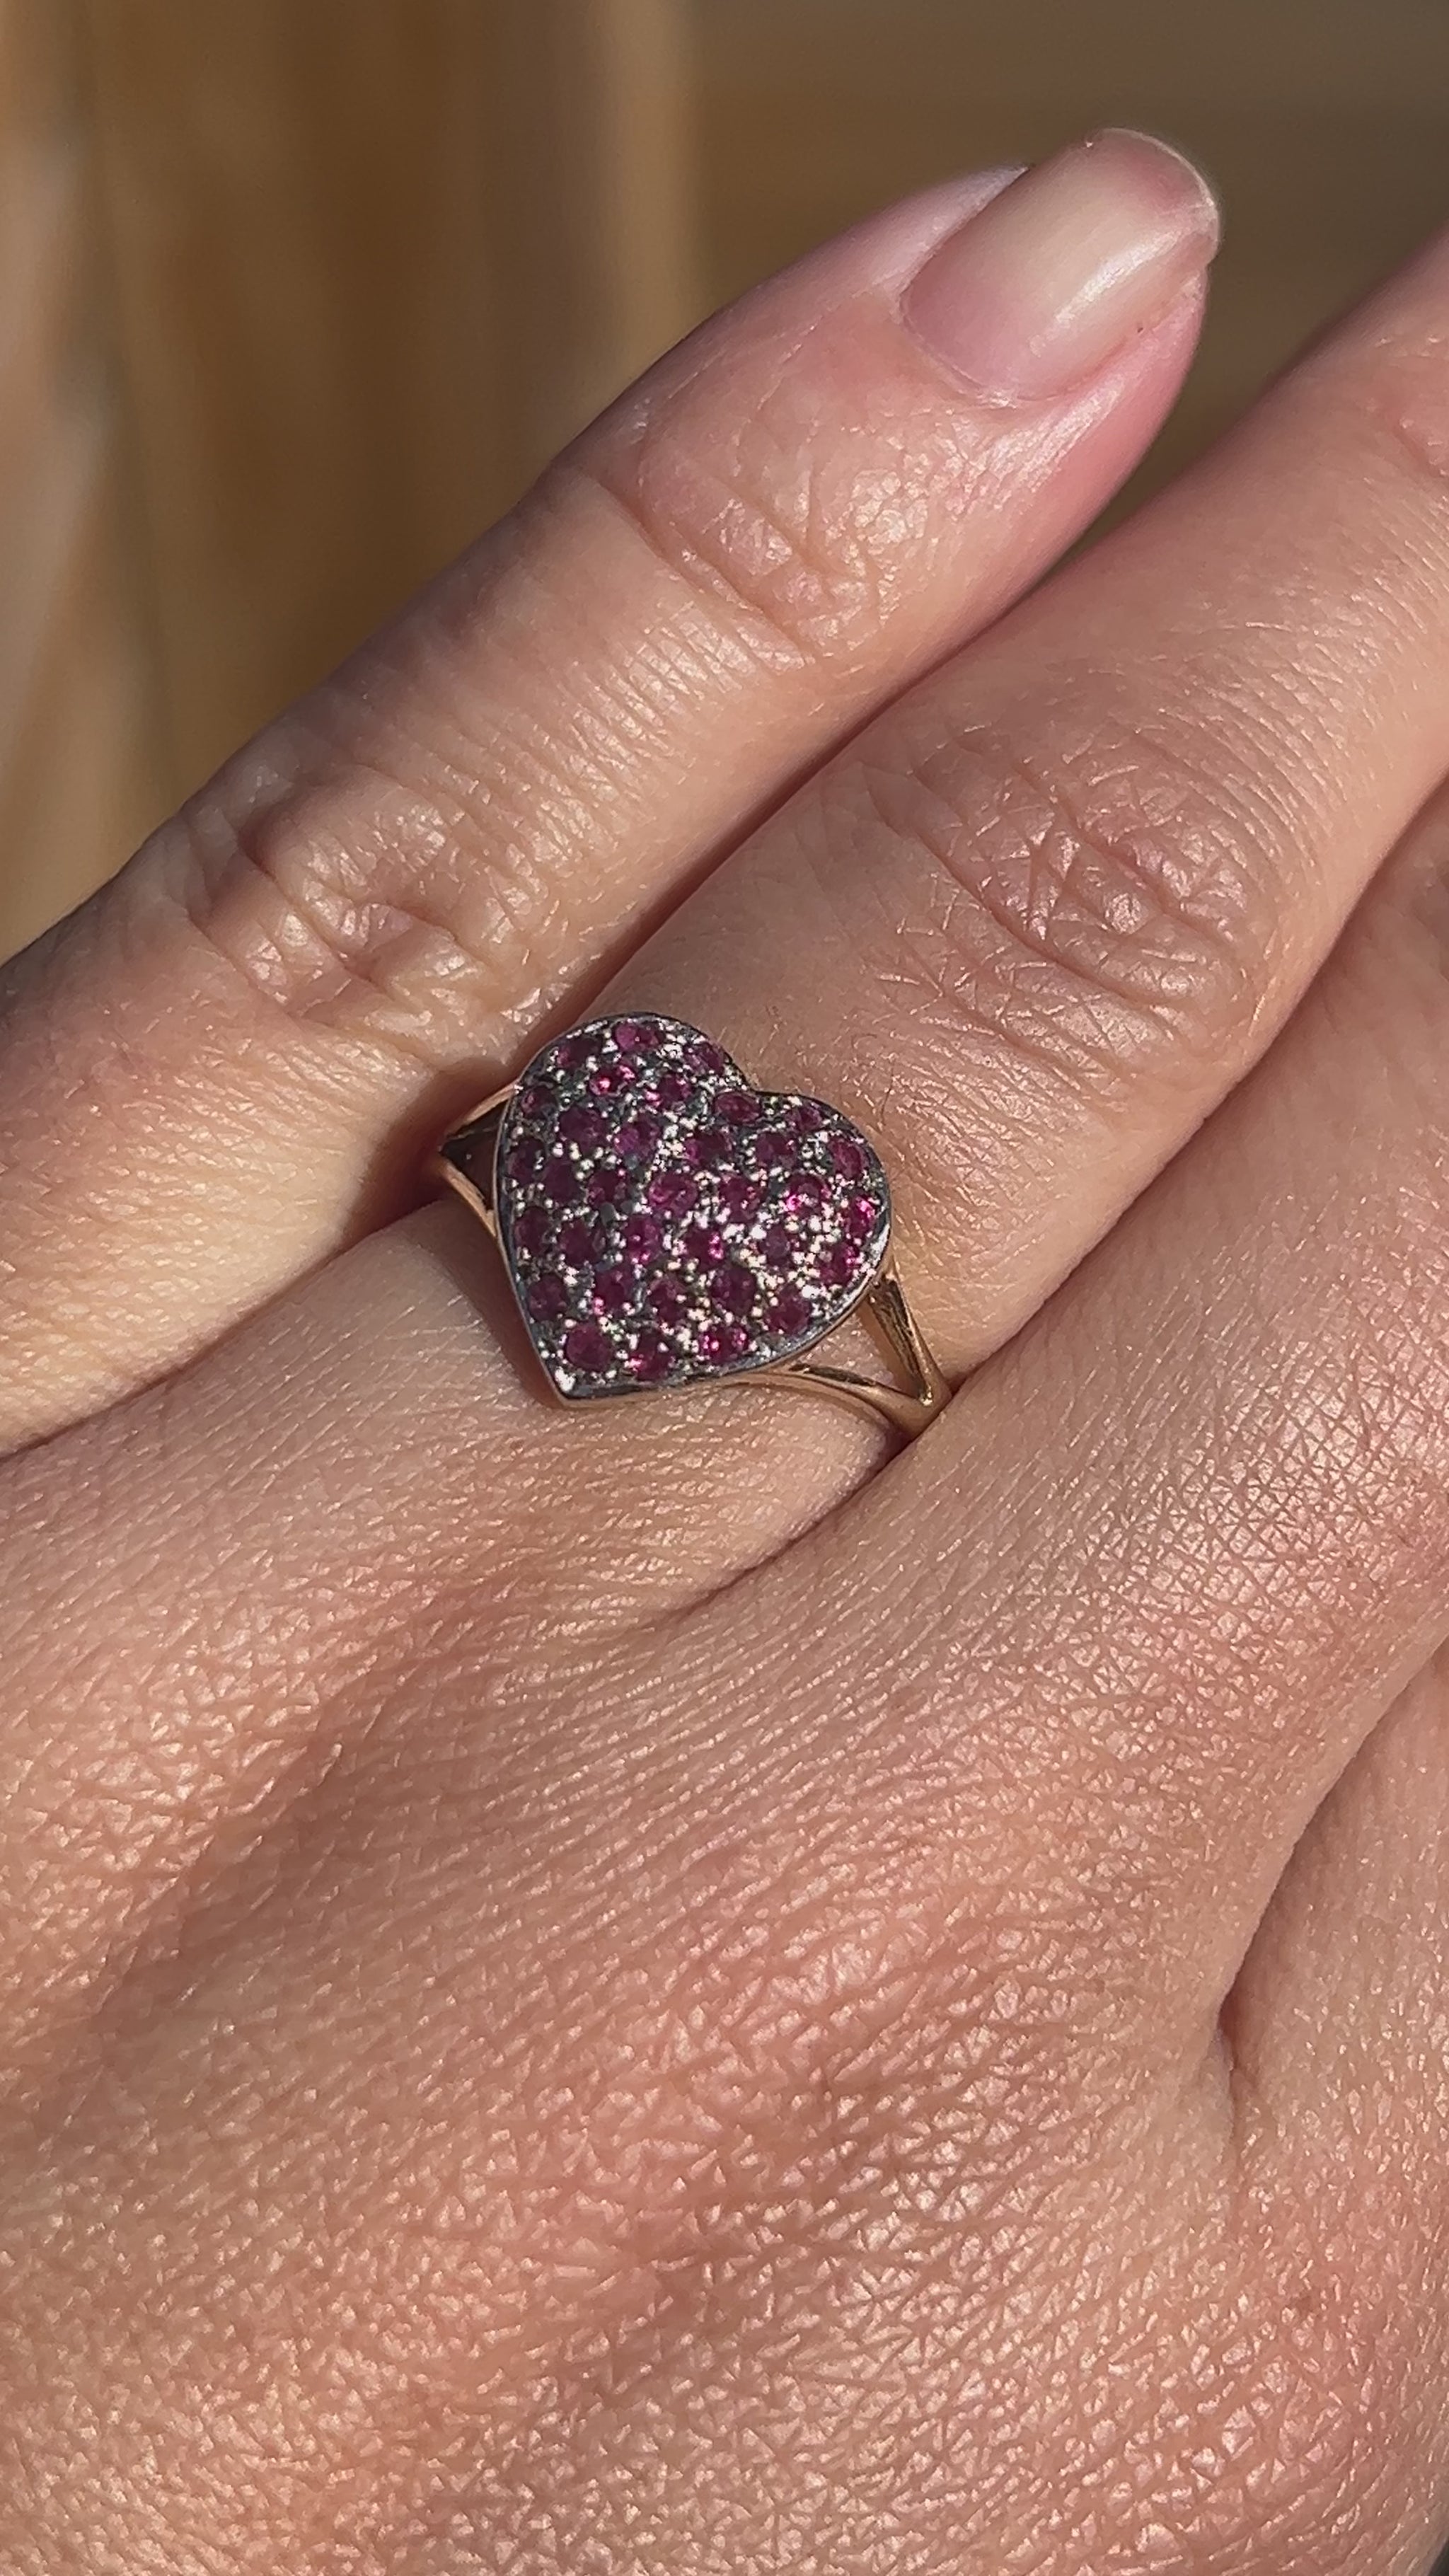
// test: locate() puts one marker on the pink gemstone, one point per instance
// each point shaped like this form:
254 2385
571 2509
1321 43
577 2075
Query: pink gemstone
525 1159
611 1078
702 1243
804 1195
848 1158
632 1038
704 1057
575 1051
738 1197
642 1238
773 1148
672 1090
589 1350
667 1300
613 1291
862 1217
578 1241
535 1099
721 1343
839 1267
637 1137
810 1115
579 1125
672 1193
547 1296
651 1357
608 1185
736 1108
710 1148
561 1182
779 1247
791 1315
733 1287
530 1231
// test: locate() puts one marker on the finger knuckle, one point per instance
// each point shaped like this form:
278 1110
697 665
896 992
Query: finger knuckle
798 530
1105 909
1390 417
313 894
913 2051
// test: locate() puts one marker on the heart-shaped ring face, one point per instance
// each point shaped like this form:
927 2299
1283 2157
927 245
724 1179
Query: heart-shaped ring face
665 1224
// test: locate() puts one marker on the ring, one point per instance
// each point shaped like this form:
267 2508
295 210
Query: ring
664 1223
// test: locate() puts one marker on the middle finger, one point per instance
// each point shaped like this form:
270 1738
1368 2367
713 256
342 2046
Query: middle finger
1036 921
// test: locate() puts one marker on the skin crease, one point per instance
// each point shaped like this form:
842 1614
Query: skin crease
670 1994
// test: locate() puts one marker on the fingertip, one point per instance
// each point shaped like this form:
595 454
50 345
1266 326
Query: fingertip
1032 296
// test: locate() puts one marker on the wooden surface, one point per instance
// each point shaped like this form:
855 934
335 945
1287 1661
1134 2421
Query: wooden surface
291 216
594 235
79 771
370 259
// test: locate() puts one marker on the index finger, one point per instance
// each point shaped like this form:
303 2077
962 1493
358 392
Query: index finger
225 1067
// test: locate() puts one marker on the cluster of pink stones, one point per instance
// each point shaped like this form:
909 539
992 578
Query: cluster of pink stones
664 1222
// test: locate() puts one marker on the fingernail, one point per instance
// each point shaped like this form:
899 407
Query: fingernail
1035 293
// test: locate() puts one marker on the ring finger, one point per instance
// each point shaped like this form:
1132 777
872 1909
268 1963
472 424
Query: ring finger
1034 922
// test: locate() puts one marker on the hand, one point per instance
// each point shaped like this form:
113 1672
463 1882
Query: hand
668 1992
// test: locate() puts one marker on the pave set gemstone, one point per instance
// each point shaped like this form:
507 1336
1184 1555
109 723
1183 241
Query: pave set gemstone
664 1223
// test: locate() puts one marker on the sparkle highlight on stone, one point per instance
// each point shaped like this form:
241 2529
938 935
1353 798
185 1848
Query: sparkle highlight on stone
664 1223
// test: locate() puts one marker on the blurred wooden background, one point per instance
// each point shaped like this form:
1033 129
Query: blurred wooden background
294 294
